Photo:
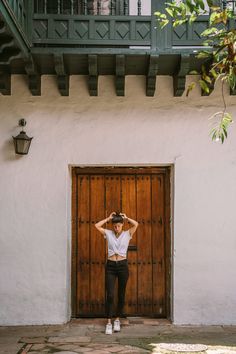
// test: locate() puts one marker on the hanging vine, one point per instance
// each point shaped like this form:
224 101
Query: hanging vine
220 52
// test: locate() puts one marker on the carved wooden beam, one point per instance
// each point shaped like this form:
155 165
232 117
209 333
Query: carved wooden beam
93 74
120 75
151 75
179 79
62 77
33 76
5 83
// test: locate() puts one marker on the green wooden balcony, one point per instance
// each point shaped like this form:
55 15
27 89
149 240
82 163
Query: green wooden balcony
78 23
94 37
77 26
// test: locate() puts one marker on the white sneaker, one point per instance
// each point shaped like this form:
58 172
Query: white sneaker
116 326
108 328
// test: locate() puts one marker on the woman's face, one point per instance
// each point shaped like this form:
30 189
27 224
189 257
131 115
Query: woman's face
117 227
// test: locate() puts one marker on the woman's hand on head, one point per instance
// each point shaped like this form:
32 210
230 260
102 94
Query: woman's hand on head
111 215
124 216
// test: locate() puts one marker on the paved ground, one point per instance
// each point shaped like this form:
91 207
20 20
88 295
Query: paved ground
137 336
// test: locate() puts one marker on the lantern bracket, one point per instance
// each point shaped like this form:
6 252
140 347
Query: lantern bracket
22 122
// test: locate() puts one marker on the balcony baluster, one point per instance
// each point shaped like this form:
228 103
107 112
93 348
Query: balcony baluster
126 8
72 7
85 7
112 11
139 8
99 7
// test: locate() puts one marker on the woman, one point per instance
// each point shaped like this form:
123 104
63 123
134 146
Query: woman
117 264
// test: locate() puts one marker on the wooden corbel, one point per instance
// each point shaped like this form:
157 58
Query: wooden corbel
62 77
179 78
93 74
33 76
151 75
5 83
120 75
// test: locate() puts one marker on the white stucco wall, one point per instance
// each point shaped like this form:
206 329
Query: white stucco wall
109 130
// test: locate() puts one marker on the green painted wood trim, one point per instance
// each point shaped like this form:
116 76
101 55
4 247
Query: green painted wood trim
15 28
162 38
92 30
128 51
120 75
151 75
93 74
30 13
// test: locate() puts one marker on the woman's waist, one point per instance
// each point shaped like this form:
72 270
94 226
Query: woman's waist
116 256
117 262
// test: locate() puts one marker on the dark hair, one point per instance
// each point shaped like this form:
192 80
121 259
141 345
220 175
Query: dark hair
117 218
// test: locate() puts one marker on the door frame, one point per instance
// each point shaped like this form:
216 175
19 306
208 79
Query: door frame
125 169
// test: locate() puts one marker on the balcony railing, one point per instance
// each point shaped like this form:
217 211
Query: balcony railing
90 22
103 23
84 7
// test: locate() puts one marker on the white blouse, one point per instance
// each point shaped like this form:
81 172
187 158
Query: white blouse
117 245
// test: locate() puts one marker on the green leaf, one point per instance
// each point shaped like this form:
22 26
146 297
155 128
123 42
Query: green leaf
192 18
213 73
201 4
207 79
178 23
208 31
203 55
170 11
190 5
190 88
204 86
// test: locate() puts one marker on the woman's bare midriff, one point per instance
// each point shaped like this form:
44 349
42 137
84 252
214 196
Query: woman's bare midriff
116 257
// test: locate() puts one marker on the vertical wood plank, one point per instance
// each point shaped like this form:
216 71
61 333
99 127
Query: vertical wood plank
129 207
158 245
97 246
144 242
112 194
113 203
83 267
74 245
168 242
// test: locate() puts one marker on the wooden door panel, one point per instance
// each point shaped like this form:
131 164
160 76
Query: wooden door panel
129 207
83 245
97 246
143 196
144 241
158 245
112 194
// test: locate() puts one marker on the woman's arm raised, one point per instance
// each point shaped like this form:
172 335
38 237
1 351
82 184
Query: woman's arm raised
99 224
134 224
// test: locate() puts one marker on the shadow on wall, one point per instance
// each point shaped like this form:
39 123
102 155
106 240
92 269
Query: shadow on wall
8 151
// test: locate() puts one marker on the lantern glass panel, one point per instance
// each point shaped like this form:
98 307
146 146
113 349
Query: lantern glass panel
22 143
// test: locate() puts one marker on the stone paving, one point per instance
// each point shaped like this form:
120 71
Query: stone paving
137 335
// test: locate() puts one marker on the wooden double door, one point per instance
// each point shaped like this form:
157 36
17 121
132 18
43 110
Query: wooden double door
144 195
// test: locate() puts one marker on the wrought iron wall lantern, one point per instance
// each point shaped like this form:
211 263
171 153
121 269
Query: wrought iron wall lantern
22 141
